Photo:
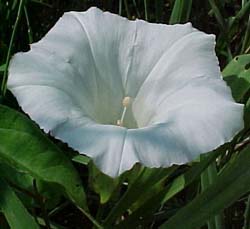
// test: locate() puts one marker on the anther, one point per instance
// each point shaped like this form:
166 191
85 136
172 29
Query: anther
126 101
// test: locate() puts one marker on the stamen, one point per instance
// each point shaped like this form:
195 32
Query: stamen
123 114
119 123
126 103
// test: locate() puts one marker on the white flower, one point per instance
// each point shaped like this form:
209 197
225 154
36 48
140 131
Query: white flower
73 83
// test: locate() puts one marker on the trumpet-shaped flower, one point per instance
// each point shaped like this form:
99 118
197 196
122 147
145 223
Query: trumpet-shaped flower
125 91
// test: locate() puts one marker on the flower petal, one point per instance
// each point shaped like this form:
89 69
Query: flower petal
73 81
191 57
151 43
191 127
103 143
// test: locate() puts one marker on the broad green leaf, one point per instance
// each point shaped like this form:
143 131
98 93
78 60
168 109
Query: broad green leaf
232 183
181 11
237 75
13 209
24 145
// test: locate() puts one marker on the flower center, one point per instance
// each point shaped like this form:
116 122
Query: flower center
126 102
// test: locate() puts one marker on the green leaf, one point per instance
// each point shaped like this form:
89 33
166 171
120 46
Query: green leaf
181 11
102 184
233 182
13 209
24 181
2 68
22 144
237 76
84 160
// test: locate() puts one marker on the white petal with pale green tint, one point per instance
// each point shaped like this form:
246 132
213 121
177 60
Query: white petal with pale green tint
73 81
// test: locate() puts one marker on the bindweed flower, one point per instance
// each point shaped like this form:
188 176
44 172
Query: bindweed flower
125 91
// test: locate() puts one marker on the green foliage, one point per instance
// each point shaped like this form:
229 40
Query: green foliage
35 154
181 11
13 209
237 75
232 183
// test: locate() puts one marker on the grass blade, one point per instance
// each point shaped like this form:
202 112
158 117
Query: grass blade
146 10
246 40
207 178
120 7
5 75
163 195
181 11
247 215
13 209
158 10
232 183
30 33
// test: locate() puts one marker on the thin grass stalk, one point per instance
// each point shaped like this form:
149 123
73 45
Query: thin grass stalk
247 215
218 15
212 175
41 202
243 11
136 9
243 2
91 218
158 10
223 25
119 208
120 7
42 3
146 10
207 178
127 9
30 33
5 75
246 38
204 185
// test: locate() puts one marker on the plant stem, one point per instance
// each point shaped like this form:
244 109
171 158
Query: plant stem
99 226
41 201
5 75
